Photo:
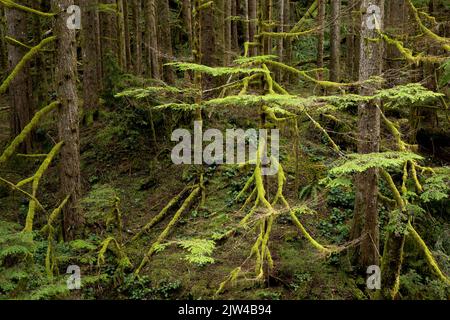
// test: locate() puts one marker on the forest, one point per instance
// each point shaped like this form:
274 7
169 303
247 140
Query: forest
224 149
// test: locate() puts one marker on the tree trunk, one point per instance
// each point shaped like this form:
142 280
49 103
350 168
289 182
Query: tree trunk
228 9
165 36
20 89
353 40
126 17
68 129
252 13
366 183
120 17
3 51
187 18
137 53
109 37
90 59
335 40
151 40
320 36
234 25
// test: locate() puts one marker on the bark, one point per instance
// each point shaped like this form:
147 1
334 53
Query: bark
90 59
20 89
353 40
320 35
126 21
137 47
366 183
391 266
187 18
3 51
335 40
120 17
108 29
252 13
151 40
165 36
68 129
234 25
228 36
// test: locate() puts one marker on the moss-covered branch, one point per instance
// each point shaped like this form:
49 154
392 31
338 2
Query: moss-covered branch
27 57
12 5
28 128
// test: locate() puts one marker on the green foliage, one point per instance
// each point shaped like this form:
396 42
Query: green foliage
362 162
436 187
199 250
139 288
417 287
444 80
99 202
214 71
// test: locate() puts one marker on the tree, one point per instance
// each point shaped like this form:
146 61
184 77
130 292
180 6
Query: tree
366 183
320 37
137 30
165 37
20 89
153 66
335 40
90 25
68 117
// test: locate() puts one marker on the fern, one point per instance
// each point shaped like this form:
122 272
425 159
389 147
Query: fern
199 250
362 162
436 187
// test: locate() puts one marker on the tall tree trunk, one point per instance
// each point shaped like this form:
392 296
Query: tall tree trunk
366 183
228 36
120 17
151 40
3 51
281 15
137 30
220 30
234 25
335 40
126 20
90 59
165 36
353 40
252 16
187 18
207 41
320 36
109 33
20 89
68 128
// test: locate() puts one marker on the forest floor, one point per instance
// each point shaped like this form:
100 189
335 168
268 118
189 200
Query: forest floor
145 180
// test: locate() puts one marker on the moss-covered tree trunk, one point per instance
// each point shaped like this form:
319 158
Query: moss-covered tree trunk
21 88
366 183
68 127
